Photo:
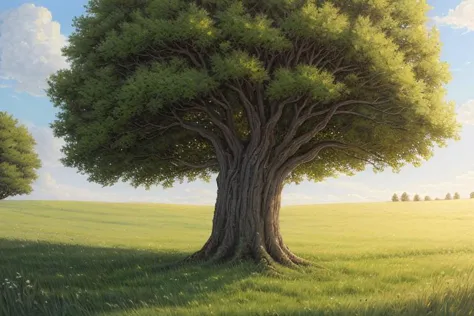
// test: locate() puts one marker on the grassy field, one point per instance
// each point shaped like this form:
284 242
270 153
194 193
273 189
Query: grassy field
71 258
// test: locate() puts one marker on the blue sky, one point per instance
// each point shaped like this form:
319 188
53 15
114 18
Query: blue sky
31 33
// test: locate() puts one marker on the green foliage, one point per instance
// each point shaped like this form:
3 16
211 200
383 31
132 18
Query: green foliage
471 195
239 27
163 83
317 23
71 260
18 160
238 65
427 198
405 197
457 196
320 85
448 196
395 198
162 90
417 198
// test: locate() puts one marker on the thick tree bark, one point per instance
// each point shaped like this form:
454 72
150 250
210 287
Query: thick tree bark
250 182
246 218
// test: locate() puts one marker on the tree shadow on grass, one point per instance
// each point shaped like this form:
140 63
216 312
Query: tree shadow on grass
54 279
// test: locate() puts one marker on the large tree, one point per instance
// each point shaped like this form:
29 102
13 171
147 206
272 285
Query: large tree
18 160
261 93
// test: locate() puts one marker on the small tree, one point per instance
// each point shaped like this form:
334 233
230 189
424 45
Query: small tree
395 198
417 198
457 196
405 197
427 198
18 160
472 195
448 197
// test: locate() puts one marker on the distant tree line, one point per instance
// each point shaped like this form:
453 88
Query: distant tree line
405 197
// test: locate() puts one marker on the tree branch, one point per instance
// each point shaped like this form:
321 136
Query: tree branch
295 161
275 116
208 164
252 115
260 101
367 161
222 101
370 118
322 125
185 51
293 126
214 139
291 145
231 138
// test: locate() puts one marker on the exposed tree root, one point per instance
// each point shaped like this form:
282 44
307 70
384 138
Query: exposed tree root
255 254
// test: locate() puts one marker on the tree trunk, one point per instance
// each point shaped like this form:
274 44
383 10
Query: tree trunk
246 218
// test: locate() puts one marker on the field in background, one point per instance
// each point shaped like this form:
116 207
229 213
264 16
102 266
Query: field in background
108 259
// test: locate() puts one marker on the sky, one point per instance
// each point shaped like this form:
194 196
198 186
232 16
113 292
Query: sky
33 32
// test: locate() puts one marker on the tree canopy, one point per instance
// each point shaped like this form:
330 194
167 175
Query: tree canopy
395 198
164 90
417 198
18 160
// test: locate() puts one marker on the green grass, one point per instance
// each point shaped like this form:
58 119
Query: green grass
111 259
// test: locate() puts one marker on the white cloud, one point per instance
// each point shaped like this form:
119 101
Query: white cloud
468 176
294 198
30 48
466 113
50 188
192 195
461 17
463 183
48 147
357 187
357 197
